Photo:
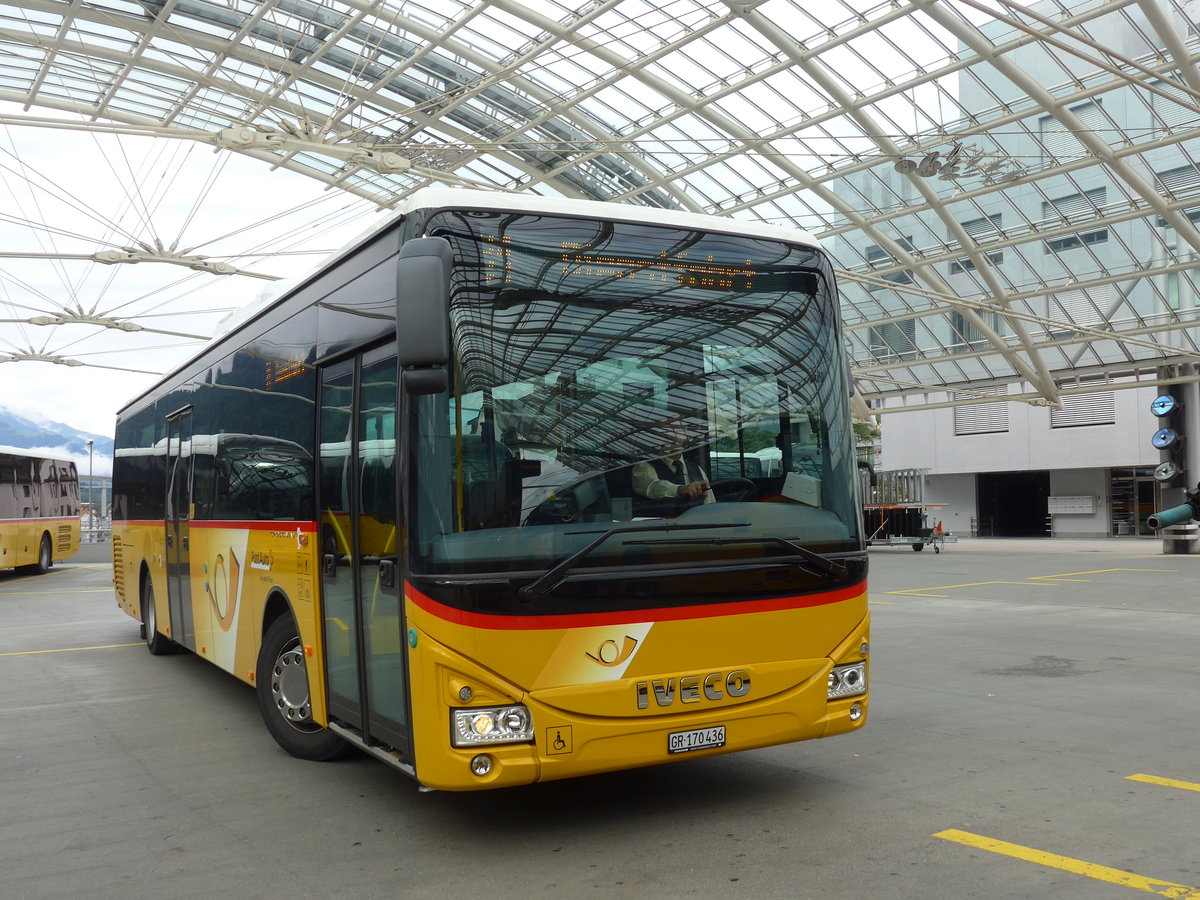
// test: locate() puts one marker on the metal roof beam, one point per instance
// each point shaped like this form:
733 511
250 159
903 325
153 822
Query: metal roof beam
1172 43
1031 367
1032 398
1058 108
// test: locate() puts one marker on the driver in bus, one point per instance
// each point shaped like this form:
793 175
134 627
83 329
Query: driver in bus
670 484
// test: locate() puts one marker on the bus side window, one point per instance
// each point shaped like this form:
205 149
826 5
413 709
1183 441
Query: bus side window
203 477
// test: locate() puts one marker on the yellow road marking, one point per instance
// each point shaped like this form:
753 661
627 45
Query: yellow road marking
1068 575
946 587
68 567
25 579
1075 866
36 593
1033 581
1165 782
880 602
69 649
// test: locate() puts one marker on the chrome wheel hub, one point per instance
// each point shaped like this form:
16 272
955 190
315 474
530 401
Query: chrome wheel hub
289 685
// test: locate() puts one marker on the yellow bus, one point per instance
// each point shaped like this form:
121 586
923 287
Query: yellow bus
39 511
448 498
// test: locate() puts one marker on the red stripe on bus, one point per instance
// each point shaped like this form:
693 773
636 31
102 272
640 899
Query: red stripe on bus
249 524
625 617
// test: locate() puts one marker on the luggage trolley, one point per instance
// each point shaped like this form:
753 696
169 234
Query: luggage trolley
896 513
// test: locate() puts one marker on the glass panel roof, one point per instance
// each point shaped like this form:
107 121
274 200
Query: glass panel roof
1009 191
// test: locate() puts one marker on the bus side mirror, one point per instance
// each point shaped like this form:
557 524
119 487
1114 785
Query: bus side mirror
425 381
423 314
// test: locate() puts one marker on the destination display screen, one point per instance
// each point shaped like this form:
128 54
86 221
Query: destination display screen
573 265
678 271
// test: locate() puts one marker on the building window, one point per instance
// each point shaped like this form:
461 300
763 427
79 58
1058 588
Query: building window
1074 205
966 264
982 230
966 335
1073 208
1169 114
1192 214
1060 144
1080 307
981 418
893 341
876 254
1077 240
1179 182
1085 409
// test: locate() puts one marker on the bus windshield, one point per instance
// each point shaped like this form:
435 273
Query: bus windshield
632 378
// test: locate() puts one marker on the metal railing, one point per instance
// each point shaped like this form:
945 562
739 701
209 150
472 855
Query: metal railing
98 531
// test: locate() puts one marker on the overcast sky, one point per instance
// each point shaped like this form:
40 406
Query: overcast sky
71 192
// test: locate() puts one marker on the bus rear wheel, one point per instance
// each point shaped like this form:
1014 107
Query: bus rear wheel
45 558
156 642
283 696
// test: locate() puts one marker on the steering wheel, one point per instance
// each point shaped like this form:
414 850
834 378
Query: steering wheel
734 490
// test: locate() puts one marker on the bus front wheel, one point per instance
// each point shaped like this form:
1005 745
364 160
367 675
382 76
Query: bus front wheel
283 697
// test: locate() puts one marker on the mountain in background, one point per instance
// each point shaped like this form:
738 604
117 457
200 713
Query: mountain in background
55 439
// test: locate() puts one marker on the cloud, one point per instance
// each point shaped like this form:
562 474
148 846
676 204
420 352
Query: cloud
85 399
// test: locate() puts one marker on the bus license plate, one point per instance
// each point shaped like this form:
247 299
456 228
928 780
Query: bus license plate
699 739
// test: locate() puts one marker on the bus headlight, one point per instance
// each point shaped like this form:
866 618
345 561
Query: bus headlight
491 725
847 681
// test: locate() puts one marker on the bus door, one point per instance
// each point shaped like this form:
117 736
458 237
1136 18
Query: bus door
360 573
178 516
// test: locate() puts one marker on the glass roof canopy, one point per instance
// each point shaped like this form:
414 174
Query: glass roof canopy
1010 192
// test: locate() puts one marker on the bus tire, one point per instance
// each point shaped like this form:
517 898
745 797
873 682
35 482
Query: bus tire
156 642
283 699
918 547
45 556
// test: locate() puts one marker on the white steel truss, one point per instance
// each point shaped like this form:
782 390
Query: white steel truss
1010 191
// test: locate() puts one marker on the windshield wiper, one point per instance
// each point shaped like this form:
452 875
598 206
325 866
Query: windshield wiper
821 565
556 574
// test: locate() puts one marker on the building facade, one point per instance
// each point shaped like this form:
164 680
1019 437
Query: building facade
1064 249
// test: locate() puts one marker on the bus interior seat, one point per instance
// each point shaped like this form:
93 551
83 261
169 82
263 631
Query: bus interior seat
493 501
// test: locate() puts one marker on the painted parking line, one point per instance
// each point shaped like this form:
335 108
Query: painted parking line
1075 866
1032 581
1070 576
920 592
70 649
55 593
1165 782
44 576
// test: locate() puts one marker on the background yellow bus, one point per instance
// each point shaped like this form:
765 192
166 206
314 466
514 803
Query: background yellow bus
409 501
39 511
